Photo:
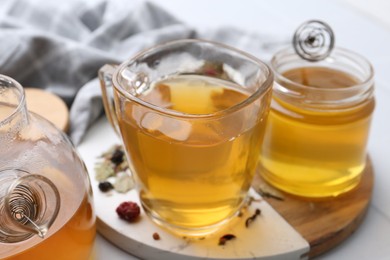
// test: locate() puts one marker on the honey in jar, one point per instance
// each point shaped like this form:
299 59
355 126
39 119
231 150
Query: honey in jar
318 127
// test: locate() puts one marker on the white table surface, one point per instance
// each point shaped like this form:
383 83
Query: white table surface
359 25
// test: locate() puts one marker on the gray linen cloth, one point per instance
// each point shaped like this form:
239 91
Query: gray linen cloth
60 45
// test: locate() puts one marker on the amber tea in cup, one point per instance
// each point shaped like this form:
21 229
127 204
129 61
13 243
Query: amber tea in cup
318 127
191 115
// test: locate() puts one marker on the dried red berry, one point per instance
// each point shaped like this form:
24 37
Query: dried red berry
128 211
156 236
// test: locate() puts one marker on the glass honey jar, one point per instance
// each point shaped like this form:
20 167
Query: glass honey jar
317 131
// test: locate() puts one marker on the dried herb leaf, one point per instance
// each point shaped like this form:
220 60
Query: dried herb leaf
266 194
225 238
252 218
252 199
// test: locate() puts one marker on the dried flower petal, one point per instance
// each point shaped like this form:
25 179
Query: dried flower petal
122 167
103 170
108 154
123 183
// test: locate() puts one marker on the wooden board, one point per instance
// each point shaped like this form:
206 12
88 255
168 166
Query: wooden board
324 224
49 106
321 224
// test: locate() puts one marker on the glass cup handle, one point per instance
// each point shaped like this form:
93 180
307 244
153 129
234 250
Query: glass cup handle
105 77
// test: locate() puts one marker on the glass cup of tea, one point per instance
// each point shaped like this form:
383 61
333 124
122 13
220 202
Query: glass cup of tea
318 127
191 115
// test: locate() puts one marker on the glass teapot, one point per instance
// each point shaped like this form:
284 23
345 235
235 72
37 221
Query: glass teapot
46 209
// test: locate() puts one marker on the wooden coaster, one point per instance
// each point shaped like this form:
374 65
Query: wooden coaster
325 224
49 106
290 229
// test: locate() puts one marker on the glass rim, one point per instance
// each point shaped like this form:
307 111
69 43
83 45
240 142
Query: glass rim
261 90
22 99
338 50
